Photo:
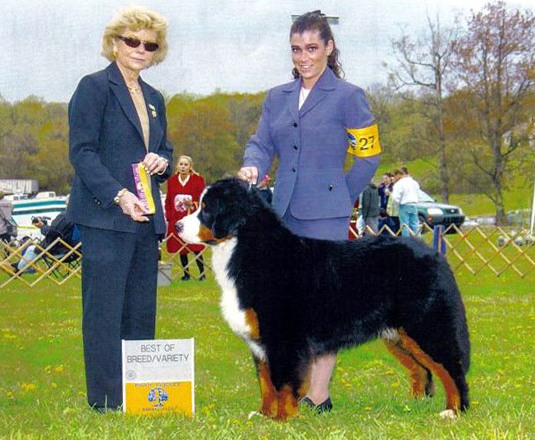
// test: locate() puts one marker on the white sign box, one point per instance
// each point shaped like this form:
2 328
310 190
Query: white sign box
158 376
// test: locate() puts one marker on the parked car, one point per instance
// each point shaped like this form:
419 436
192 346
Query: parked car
433 213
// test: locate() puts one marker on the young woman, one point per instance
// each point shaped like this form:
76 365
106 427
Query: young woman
184 190
310 124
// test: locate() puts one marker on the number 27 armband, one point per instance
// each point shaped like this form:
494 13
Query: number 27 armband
363 142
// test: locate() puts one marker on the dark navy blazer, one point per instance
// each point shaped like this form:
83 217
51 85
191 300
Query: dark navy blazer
105 138
311 144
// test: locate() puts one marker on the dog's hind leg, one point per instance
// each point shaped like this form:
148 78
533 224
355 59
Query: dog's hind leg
305 381
449 372
421 377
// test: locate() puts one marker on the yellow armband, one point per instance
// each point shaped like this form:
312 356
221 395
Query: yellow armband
363 142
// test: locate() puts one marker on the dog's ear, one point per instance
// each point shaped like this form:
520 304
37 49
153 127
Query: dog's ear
227 225
229 206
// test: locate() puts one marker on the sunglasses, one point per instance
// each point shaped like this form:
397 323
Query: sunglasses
134 42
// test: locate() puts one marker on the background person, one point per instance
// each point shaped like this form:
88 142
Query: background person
6 211
405 194
306 124
388 215
60 228
369 208
31 252
385 188
184 190
116 119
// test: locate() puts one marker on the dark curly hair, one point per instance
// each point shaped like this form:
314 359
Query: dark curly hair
316 21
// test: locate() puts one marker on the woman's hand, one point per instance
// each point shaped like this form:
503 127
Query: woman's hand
131 206
155 164
249 174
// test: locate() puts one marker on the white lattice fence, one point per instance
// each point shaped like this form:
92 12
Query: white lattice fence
476 250
481 248
45 263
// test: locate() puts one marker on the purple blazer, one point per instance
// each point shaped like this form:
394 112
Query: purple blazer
311 145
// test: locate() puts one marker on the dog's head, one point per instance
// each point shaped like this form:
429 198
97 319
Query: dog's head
225 207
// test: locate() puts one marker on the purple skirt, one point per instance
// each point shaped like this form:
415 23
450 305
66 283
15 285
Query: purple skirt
323 228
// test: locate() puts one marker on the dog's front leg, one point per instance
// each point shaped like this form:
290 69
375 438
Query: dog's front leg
270 401
288 405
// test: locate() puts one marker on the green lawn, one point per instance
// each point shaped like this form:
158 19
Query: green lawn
42 385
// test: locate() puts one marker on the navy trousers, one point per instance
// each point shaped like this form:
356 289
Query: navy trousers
119 282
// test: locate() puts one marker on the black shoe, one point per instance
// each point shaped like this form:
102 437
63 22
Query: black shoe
106 409
325 406
185 278
202 277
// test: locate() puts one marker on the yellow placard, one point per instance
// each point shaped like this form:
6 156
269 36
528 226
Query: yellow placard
159 398
143 187
363 142
158 376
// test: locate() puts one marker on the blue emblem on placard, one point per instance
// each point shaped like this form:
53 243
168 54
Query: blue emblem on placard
352 140
158 395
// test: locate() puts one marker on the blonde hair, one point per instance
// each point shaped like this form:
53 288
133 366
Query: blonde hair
190 160
136 18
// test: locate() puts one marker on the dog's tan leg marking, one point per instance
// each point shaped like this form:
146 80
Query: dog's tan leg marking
270 403
287 403
252 322
417 372
305 384
453 399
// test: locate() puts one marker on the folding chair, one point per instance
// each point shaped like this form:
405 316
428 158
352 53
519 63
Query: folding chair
65 263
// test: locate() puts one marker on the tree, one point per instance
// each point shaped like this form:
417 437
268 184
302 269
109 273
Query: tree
213 129
50 165
203 131
423 63
33 143
494 63
18 139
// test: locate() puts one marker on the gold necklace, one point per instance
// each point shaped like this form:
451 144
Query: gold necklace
130 78
133 85
133 89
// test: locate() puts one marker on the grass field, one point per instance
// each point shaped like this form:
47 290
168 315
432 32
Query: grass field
42 385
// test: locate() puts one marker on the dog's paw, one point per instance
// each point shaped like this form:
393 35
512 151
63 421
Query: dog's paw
448 414
254 414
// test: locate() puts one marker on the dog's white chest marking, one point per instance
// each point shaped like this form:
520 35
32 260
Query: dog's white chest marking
230 307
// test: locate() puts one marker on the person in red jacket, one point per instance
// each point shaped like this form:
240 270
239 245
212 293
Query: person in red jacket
184 190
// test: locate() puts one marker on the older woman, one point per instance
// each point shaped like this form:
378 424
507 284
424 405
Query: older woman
117 120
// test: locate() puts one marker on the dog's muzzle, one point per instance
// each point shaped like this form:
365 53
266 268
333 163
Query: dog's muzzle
188 229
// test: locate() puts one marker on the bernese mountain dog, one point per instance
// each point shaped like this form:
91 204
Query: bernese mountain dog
293 298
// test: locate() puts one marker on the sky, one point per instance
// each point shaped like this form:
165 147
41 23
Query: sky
214 45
